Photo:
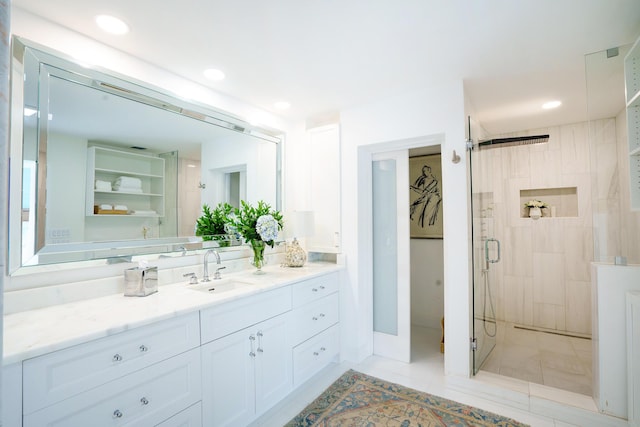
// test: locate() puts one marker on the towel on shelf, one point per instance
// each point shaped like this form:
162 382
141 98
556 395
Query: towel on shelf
128 184
128 181
106 207
103 185
120 208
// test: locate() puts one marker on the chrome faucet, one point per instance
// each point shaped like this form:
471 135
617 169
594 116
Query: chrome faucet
216 276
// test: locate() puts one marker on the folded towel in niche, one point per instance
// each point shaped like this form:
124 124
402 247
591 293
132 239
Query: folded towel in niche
106 207
103 185
143 212
120 207
128 181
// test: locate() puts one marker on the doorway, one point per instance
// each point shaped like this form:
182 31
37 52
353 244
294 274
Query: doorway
407 273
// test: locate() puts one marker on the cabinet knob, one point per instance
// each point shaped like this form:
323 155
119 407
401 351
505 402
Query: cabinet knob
252 354
321 314
314 289
143 348
315 353
252 338
260 334
260 350
117 358
314 318
322 349
117 414
321 287
144 401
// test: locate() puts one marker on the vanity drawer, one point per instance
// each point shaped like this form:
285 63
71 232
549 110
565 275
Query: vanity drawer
190 417
225 319
315 288
144 398
59 375
314 354
314 317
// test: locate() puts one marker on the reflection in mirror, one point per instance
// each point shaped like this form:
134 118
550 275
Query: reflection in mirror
111 169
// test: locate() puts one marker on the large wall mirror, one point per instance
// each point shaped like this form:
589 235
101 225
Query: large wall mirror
106 168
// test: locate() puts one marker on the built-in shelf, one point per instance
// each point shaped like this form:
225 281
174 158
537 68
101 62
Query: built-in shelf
108 164
562 201
632 89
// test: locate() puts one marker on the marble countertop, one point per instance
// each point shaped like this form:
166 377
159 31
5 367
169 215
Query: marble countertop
33 333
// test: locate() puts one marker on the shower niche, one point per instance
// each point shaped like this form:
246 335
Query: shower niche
561 201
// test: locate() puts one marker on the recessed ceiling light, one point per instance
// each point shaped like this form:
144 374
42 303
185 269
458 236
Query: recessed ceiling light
282 105
551 104
214 74
111 24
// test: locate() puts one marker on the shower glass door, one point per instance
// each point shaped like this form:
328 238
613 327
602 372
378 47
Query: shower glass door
486 253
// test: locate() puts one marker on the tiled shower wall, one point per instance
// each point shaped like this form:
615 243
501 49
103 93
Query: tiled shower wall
543 279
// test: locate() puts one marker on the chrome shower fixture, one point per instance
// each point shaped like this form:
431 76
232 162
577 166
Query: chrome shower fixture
513 141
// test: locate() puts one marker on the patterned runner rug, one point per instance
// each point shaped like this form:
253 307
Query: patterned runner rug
358 400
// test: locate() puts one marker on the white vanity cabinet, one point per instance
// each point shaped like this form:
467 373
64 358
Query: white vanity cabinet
141 376
314 325
246 371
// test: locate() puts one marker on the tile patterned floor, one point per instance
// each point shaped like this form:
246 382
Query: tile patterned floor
424 373
542 358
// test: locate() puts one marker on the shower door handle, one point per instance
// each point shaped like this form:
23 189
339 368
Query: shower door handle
486 251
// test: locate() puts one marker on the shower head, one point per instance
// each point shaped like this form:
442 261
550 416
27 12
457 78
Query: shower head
513 141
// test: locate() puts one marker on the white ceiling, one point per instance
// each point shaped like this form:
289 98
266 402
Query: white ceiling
326 56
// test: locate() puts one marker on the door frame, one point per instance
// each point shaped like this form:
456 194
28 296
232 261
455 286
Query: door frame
365 223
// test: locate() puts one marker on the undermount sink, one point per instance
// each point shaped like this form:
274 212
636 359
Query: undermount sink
220 286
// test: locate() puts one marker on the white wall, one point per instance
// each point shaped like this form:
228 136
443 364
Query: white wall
189 196
425 117
427 282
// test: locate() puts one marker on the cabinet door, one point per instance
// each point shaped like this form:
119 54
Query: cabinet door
228 397
190 417
324 152
273 362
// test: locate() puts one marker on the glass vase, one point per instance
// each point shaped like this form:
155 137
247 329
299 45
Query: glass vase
258 255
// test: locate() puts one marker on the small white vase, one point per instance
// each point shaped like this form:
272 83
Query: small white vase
535 213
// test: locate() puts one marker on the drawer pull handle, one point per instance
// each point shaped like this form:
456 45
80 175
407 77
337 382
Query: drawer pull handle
322 349
260 335
314 289
117 414
315 353
144 401
251 340
143 348
314 318
117 358
321 287
321 314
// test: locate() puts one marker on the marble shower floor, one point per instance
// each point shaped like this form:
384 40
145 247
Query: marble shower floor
542 358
